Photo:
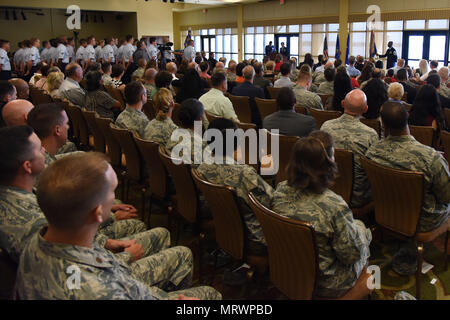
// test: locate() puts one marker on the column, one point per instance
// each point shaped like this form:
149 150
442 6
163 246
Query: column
240 30
343 27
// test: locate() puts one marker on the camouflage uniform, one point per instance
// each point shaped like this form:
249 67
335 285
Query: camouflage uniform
68 147
444 90
133 120
231 76
244 179
342 242
319 77
351 134
43 274
405 153
160 131
326 87
306 98
151 90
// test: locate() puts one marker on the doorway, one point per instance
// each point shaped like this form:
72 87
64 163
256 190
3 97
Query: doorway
428 45
290 41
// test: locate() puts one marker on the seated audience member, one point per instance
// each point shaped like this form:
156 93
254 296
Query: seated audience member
359 64
350 133
376 94
400 150
443 89
320 68
171 67
132 118
8 93
15 112
352 71
304 97
231 71
400 65
318 64
411 91
91 181
327 87
259 80
116 75
38 73
215 102
160 129
239 76
98 100
247 89
149 82
22 87
270 66
204 68
341 86
284 80
244 179
107 71
309 61
319 77
289 122
433 66
54 81
191 114
42 82
435 80
343 242
219 66
366 73
278 62
390 76
396 91
426 109
183 66
70 88
139 72
94 66
192 86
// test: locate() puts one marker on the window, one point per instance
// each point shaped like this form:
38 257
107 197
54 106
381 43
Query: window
333 27
358 26
197 43
438 24
394 25
358 44
280 29
307 28
294 28
306 44
415 24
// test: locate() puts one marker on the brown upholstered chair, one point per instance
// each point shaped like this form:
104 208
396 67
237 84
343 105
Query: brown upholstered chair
301 109
273 92
7 276
134 167
398 196
423 134
242 108
324 98
175 112
116 94
343 185
157 173
73 114
374 124
445 139
447 116
321 116
84 138
210 117
99 139
149 110
266 106
408 107
38 96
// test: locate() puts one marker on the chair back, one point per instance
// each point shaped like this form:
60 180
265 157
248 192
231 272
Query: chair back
7 276
149 110
324 98
286 144
321 116
292 252
445 139
175 112
423 134
99 139
397 196
447 116
116 94
242 108
210 117
374 124
266 106
74 114
228 224
38 96
114 151
301 109
82 126
157 173
186 193
273 92
245 126
343 185
408 107
133 158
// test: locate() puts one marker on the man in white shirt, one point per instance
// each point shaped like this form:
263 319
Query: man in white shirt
5 65
214 101
189 51
119 54
114 46
400 65
89 55
19 58
70 88
433 65
32 58
152 49
128 50
63 55
284 80
70 49
79 57
45 52
108 51
99 49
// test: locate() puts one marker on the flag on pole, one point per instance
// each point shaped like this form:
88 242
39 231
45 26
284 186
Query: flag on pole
337 55
325 48
347 53
372 46
188 38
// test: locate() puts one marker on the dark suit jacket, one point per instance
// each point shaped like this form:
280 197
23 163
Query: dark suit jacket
290 123
247 89
261 82
410 92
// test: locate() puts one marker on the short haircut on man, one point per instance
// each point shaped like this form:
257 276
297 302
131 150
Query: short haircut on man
329 74
434 80
117 70
217 79
44 117
285 68
83 177
106 66
15 148
402 74
394 115
434 63
133 92
222 125
286 99
163 79
71 69
6 88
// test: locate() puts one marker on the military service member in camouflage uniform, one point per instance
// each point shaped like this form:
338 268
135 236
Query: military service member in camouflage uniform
160 129
327 87
304 97
66 246
343 243
350 134
132 118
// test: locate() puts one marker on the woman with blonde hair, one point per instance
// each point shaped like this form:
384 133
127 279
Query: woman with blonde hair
423 67
396 91
54 80
160 129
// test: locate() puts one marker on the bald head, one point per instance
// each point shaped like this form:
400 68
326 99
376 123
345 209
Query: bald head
249 73
329 64
23 91
15 112
220 65
150 74
401 63
171 67
355 103
443 73
192 65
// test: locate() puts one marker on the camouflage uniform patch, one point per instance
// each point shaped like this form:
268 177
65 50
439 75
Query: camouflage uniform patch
160 131
133 120
306 98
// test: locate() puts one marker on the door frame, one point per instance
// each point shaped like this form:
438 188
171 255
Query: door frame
426 43
209 37
277 36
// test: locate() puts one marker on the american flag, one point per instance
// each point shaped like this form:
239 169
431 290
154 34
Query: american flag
372 45
325 48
